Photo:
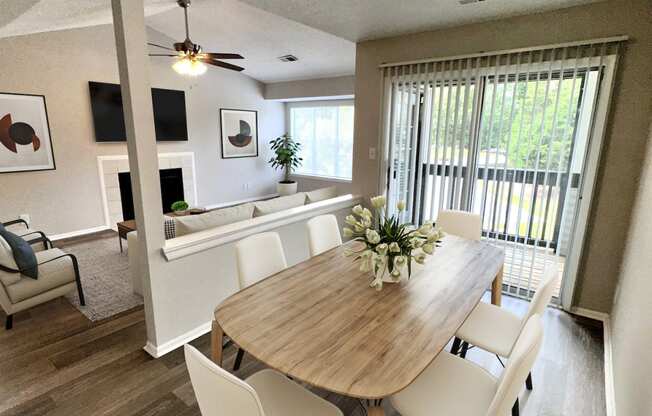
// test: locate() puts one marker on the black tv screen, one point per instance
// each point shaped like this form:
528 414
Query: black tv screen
108 118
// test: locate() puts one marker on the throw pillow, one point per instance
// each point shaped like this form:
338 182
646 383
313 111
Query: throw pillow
23 253
321 194
279 204
193 223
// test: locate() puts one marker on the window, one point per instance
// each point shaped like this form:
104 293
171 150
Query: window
325 131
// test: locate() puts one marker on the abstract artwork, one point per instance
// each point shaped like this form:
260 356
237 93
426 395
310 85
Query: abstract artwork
239 130
25 143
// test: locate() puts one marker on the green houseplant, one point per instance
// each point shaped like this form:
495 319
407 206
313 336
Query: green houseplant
180 206
286 157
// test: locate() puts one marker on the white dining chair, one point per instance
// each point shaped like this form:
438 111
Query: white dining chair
323 234
496 330
257 257
460 223
453 386
266 392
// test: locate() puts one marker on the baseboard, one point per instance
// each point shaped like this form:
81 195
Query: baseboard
241 201
609 388
173 344
78 233
589 313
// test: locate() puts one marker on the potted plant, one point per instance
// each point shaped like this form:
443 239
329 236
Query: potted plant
389 246
286 157
180 207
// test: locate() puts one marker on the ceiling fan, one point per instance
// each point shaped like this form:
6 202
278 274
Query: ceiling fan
190 58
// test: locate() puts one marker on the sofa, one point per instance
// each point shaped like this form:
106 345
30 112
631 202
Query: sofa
177 227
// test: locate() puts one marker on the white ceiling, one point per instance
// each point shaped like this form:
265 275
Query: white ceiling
321 33
23 17
358 20
261 37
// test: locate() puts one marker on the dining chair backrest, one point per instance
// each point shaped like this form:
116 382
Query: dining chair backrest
460 223
323 234
258 257
518 367
543 295
217 391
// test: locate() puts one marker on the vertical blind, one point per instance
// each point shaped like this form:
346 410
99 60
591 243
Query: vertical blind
503 135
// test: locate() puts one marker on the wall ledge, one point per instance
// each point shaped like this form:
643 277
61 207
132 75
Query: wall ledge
190 244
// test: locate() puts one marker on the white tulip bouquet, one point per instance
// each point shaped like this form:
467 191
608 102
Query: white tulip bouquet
390 246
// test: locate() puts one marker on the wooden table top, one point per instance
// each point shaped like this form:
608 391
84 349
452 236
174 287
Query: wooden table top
321 323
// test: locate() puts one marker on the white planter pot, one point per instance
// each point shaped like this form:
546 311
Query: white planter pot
285 189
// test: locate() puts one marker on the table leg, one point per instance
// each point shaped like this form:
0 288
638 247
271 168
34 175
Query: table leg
375 411
497 288
217 338
120 241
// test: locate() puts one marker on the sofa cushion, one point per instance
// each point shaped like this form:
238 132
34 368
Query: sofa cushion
321 194
194 223
52 275
22 252
279 204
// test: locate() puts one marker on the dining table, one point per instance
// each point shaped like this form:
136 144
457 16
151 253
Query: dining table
319 321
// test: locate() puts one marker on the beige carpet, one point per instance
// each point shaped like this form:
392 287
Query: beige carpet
104 275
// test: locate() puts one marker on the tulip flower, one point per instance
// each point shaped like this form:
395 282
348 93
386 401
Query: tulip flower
351 220
428 248
372 236
358 210
381 249
347 232
379 201
394 247
420 258
400 206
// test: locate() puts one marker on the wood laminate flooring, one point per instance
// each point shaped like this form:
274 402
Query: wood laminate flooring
56 362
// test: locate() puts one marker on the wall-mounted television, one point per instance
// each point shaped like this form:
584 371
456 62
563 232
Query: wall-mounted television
108 118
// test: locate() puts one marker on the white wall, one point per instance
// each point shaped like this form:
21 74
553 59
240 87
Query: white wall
59 66
311 89
632 310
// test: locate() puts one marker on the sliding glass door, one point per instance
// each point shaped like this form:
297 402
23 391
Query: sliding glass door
505 138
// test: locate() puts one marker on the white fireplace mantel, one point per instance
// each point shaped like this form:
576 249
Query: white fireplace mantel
110 166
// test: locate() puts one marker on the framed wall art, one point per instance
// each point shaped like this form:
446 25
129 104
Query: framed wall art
25 142
239 131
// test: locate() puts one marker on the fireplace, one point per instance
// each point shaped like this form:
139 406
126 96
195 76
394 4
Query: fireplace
171 191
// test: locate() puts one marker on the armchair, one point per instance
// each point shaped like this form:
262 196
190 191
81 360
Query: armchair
32 236
58 275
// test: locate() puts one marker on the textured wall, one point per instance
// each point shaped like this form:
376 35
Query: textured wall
59 66
631 332
628 121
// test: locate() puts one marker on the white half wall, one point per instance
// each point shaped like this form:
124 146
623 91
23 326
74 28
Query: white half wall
59 66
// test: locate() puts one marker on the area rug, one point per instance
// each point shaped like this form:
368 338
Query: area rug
104 275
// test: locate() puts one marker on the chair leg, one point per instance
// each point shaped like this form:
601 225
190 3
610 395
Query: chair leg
465 348
10 322
80 290
455 348
515 409
528 381
238 359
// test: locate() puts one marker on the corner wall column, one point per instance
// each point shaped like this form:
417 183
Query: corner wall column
133 64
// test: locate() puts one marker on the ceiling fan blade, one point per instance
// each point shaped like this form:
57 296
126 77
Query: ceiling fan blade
160 46
223 55
162 54
223 64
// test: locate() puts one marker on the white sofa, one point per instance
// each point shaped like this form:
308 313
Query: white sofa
242 215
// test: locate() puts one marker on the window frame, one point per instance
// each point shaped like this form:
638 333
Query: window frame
318 103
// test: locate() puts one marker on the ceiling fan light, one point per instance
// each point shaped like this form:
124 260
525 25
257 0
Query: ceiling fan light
182 66
197 68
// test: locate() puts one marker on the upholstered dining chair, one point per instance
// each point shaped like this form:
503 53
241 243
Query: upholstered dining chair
20 227
257 257
58 274
323 234
266 392
460 223
496 330
438 390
